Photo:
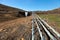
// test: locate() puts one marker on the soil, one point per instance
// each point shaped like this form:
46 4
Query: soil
18 29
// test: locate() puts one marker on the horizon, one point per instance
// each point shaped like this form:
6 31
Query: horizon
30 10
32 5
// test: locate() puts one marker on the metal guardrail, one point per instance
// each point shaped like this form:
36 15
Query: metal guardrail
32 30
39 30
43 23
40 33
49 34
49 27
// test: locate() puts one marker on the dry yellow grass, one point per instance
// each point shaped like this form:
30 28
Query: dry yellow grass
53 20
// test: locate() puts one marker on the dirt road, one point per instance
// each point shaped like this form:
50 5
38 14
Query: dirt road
18 29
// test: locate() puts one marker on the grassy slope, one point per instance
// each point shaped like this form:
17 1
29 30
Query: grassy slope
52 18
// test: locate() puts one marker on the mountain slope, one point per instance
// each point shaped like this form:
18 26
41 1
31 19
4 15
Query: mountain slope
9 13
54 11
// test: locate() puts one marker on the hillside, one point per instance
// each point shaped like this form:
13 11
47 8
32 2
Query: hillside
54 11
9 8
9 13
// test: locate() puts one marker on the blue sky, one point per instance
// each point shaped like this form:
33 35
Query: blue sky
30 5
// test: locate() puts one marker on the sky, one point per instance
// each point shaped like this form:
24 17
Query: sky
32 5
